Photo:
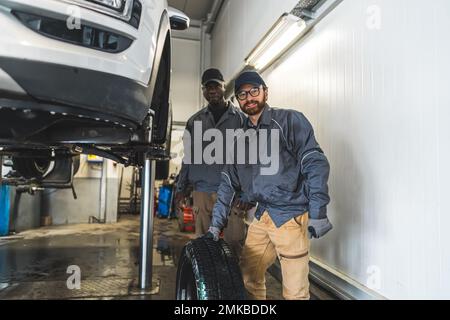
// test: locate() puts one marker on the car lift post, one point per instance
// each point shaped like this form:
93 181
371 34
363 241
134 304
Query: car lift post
147 210
147 213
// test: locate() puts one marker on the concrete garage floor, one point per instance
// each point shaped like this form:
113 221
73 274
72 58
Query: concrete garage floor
34 264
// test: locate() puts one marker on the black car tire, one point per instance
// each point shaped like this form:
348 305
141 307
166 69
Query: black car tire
208 270
76 164
30 168
163 166
162 169
39 168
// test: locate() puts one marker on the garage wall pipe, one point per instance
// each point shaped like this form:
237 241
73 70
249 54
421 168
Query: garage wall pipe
103 177
212 16
202 60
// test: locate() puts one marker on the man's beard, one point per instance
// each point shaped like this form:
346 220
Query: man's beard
253 110
216 101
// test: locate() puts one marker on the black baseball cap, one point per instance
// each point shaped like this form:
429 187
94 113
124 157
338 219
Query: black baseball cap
212 75
248 77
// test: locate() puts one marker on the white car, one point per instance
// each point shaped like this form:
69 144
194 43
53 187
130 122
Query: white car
85 76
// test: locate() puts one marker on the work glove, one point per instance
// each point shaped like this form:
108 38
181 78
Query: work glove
317 228
242 205
179 197
213 233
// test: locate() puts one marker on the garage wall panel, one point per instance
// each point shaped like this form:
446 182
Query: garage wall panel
185 91
64 209
377 96
240 26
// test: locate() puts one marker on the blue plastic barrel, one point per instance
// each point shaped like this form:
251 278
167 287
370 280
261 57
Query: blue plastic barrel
164 200
5 206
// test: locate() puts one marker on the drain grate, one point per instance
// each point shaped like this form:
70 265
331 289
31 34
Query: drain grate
90 288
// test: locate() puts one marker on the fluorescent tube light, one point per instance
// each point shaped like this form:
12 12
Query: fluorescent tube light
282 35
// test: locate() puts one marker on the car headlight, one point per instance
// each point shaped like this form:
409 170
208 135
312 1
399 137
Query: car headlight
87 36
126 10
113 4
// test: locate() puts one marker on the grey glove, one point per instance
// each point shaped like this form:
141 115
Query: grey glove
318 228
245 206
213 233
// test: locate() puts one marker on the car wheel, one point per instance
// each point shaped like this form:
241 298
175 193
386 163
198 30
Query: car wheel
76 164
208 270
40 168
32 168
162 169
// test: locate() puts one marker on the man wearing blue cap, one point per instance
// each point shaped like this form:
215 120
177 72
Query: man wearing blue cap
291 203
220 115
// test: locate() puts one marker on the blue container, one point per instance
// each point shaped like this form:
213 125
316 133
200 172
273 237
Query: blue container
5 206
165 193
163 210
164 200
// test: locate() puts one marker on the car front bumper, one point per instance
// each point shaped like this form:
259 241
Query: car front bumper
20 42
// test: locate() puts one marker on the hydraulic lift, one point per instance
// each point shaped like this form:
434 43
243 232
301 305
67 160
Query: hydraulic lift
147 214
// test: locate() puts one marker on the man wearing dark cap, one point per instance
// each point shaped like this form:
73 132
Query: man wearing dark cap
221 115
290 204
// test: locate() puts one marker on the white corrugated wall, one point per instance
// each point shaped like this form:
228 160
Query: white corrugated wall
239 27
185 89
379 99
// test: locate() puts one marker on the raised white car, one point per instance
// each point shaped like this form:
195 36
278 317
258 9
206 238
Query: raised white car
85 76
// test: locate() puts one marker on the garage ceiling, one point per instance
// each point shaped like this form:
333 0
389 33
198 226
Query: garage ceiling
195 9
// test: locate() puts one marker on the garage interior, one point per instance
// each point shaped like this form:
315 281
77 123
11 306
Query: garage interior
371 77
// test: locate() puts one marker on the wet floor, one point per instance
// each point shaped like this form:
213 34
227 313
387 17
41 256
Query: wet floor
42 263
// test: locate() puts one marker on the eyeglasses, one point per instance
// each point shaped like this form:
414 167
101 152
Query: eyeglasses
254 92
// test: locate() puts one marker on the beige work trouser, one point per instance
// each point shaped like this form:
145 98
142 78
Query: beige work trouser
264 243
234 233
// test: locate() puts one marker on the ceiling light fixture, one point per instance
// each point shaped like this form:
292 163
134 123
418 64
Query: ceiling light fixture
282 35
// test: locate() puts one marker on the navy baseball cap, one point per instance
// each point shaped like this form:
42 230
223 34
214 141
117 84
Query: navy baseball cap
212 75
248 77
